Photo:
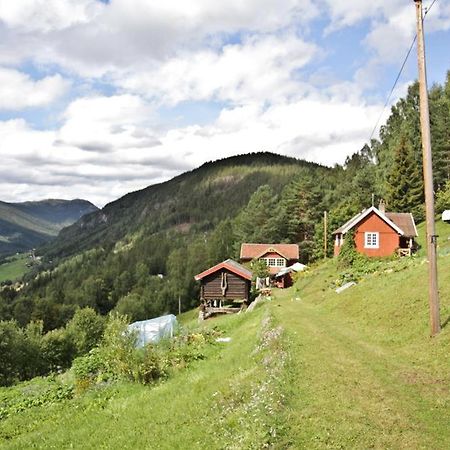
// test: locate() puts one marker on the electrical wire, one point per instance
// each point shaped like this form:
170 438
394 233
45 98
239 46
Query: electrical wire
427 10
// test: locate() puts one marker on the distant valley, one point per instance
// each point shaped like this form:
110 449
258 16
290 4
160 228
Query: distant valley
26 225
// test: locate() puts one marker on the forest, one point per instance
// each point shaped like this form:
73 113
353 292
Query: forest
139 254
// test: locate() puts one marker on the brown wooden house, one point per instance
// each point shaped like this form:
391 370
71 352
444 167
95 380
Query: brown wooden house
224 287
379 233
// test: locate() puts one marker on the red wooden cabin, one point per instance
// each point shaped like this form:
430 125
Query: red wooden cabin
277 257
379 233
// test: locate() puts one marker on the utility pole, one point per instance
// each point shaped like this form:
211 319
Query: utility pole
433 294
325 234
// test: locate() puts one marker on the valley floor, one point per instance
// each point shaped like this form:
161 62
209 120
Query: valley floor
310 369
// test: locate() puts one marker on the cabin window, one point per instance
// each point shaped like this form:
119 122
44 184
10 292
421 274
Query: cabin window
275 262
371 239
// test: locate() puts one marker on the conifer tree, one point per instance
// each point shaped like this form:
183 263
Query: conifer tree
404 183
440 133
253 222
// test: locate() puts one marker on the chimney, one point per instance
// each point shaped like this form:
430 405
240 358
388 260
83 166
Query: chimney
382 206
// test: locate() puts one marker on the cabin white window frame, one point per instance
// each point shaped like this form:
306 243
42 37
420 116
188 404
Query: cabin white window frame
281 262
339 240
275 262
371 239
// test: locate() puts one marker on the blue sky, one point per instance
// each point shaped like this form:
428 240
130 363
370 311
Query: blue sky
100 98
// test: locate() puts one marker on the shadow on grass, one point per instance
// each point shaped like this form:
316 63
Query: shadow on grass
446 322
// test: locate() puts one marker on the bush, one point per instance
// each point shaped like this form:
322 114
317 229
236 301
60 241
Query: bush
58 350
443 198
133 306
348 253
86 330
89 369
117 358
20 352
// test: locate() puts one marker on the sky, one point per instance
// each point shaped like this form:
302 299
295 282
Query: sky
101 98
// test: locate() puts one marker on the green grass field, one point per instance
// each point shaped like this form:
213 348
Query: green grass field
310 369
14 269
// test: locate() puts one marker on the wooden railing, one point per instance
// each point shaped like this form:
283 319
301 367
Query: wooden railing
404 252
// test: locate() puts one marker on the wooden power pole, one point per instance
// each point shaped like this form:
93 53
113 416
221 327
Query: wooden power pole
325 234
433 294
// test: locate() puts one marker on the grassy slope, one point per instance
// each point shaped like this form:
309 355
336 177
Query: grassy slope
14 269
362 373
205 406
367 374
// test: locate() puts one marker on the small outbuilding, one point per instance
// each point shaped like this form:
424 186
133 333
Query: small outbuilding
225 287
379 233
446 216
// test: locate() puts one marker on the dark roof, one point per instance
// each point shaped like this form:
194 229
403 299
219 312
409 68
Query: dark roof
229 264
403 223
251 251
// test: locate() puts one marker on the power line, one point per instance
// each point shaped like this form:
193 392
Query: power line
398 75
427 10
393 87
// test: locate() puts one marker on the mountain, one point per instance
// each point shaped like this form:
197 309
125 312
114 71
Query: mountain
195 201
139 254
29 224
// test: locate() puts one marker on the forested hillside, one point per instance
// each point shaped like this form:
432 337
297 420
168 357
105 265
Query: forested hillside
139 254
26 225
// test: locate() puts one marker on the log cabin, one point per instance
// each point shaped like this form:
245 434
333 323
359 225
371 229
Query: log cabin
224 288
379 233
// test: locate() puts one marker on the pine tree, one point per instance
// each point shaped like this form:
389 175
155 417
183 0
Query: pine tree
404 183
440 133
252 224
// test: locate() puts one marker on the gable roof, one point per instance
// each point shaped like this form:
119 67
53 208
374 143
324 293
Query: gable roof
230 265
251 251
402 223
405 221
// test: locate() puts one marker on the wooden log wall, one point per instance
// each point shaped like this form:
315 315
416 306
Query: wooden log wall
237 288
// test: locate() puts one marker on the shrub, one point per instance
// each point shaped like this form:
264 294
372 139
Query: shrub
86 330
89 369
133 306
58 349
117 358
348 253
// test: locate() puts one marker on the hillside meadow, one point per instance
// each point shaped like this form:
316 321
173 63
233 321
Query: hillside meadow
14 267
307 369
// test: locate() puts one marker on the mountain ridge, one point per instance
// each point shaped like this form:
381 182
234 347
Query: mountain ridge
24 225
126 214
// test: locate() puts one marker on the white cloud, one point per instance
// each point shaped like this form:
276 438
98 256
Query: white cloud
344 13
101 124
18 90
93 39
47 15
108 146
256 57
259 68
319 129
